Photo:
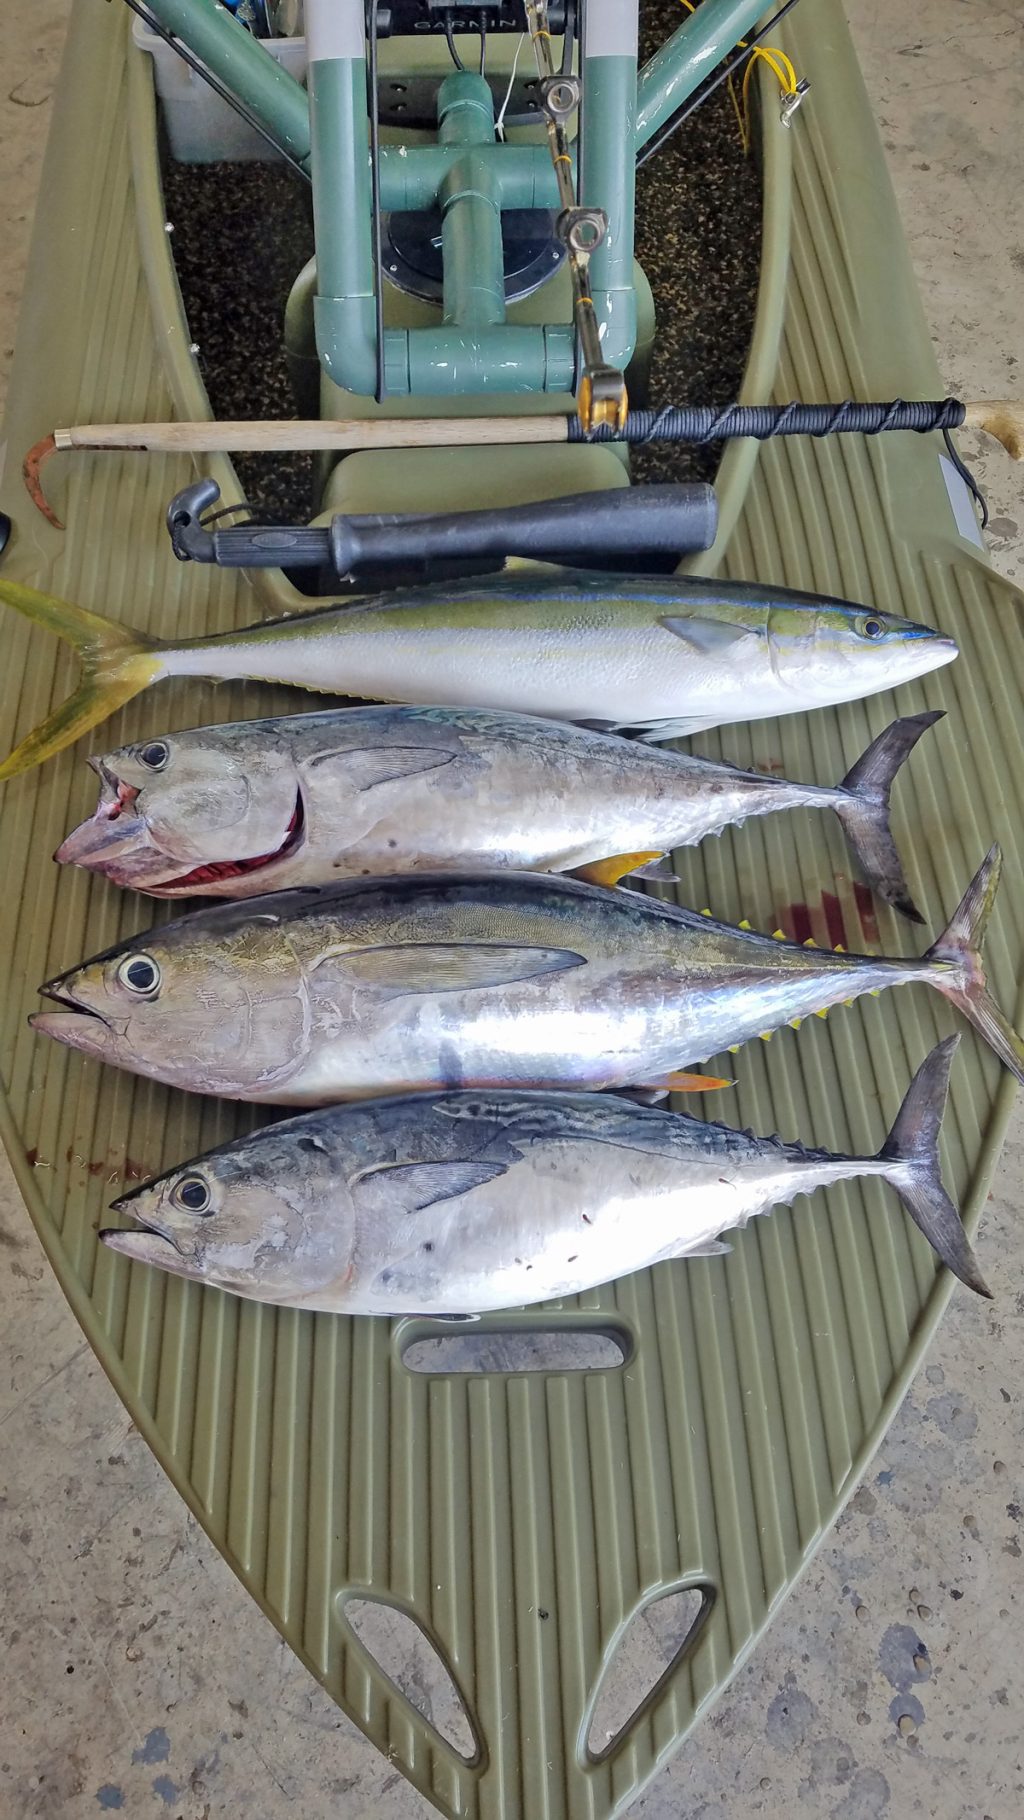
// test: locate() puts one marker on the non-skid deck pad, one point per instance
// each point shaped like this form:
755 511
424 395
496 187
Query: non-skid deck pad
521 1519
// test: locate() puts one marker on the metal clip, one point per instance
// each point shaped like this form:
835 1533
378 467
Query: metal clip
602 399
560 97
792 102
581 229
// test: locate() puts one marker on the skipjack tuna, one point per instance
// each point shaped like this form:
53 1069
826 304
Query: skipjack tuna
516 978
458 1203
660 655
305 799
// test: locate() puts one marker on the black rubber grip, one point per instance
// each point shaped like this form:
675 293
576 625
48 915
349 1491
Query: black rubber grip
715 423
583 527
635 522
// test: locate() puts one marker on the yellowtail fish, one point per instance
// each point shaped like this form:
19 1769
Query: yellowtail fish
454 1204
659 656
306 799
529 980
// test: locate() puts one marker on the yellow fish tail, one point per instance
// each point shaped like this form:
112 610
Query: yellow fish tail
117 663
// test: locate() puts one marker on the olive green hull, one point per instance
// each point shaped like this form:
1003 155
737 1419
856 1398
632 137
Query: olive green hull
522 1520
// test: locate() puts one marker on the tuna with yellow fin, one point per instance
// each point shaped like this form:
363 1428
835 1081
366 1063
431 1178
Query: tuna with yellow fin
658 656
398 984
309 799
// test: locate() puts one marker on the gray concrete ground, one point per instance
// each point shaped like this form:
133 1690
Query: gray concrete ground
138 1678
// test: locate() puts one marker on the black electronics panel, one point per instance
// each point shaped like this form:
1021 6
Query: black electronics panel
404 18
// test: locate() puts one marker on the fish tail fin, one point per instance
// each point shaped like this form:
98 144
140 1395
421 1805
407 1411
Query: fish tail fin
959 949
865 813
910 1158
117 663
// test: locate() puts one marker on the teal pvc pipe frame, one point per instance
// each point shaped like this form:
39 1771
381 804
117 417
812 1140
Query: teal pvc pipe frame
473 262
474 350
704 38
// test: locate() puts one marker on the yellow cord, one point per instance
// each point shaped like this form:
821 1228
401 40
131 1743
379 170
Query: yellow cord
780 66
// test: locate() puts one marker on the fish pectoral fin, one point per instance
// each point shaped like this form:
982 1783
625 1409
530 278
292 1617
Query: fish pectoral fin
412 1187
707 635
713 1249
652 731
366 767
449 966
687 1083
610 871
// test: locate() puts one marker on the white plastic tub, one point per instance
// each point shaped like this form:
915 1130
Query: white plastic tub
201 128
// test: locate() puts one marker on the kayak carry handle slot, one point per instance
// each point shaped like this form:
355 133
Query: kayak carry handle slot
583 528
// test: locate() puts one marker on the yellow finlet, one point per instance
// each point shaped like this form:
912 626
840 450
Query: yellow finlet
743 925
778 935
795 1023
810 942
705 913
610 871
839 949
766 1035
821 1013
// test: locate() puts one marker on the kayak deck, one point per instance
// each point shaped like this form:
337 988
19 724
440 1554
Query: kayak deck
522 1518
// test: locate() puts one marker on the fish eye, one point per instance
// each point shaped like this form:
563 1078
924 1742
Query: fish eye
869 627
140 974
155 755
192 1193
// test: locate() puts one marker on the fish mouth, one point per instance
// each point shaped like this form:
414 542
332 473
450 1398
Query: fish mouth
72 1020
145 1242
91 842
144 1225
215 871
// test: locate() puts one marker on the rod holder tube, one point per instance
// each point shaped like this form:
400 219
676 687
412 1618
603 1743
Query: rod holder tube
344 307
685 59
608 175
473 258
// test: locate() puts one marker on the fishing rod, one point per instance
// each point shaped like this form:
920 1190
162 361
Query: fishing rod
1002 419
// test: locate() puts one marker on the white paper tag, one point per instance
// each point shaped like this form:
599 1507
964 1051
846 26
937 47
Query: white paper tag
611 28
962 504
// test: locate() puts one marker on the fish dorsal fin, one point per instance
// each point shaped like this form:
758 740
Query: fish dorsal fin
411 1187
365 767
448 966
710 636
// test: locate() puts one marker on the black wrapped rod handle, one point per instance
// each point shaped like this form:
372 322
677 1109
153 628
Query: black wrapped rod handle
583 528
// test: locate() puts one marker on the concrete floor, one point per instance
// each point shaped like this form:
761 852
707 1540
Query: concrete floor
138 1677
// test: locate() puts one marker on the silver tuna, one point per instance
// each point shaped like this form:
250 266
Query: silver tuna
308 799
402 984
465 1202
